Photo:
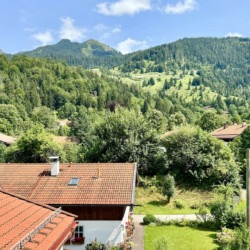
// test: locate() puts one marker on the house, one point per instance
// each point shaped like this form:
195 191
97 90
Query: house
100 194
6 139
27 225
228 132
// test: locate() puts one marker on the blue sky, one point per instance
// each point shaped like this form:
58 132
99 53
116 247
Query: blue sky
126 25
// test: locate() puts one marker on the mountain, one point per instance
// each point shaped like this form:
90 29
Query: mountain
180 78
223 64
89 54
203 71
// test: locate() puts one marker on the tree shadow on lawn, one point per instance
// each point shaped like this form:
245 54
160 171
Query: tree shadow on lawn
213 236
158 203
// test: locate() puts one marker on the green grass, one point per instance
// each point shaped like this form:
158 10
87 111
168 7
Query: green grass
241 207
159 78
180 238
152 202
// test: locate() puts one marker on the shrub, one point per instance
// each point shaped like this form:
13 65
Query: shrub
224 216
169 187
148 182
95 245
233 219
152 224
147 219
242 239
202 215
179 204
161 244
226 237
238 239
195 206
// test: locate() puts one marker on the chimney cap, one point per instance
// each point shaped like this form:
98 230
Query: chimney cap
53 158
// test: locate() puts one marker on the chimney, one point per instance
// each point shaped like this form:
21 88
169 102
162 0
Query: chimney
244 123
225 125
54 165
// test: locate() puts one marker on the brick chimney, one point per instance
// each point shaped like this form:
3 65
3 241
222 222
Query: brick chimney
54 165
225 125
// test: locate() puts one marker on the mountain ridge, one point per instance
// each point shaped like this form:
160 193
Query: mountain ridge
89 54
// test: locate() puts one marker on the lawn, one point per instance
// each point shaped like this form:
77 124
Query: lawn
180 238
153 202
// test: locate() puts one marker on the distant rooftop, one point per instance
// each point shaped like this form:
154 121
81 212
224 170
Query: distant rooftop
229 132
6 139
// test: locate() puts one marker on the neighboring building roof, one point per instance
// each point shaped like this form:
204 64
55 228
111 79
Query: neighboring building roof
8 140
48 227
115 184
228 132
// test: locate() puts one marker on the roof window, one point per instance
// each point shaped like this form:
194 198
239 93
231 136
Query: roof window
73 181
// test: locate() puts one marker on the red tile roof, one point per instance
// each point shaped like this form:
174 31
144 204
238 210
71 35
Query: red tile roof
21 217
229 132
115 184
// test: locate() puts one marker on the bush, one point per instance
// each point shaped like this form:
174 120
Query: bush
169 187
161 244
179 204
195 206
233 219
95 245
242 239
202 215
225 238
238 239
224 216
147 219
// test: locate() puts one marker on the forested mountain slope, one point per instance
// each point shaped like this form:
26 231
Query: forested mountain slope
27 83
177 79
88 54
220 63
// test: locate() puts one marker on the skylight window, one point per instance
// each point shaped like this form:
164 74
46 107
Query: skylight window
73 181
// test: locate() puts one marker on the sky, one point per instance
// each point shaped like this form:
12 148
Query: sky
125 25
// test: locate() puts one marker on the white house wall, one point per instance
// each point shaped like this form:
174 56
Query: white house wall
102 231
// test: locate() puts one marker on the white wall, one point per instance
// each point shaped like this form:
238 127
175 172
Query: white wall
103 231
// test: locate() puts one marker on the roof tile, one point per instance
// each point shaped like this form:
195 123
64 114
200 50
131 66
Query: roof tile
114 186
19 217
229 131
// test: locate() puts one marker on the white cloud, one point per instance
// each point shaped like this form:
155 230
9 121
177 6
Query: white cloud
100 27
108 34
234 34
130 45
123 7
181 7
116 30
44 38
70 31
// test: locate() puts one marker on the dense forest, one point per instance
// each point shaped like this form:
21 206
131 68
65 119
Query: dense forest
155 107
88 54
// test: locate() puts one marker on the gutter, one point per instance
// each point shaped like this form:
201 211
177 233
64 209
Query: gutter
133 185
